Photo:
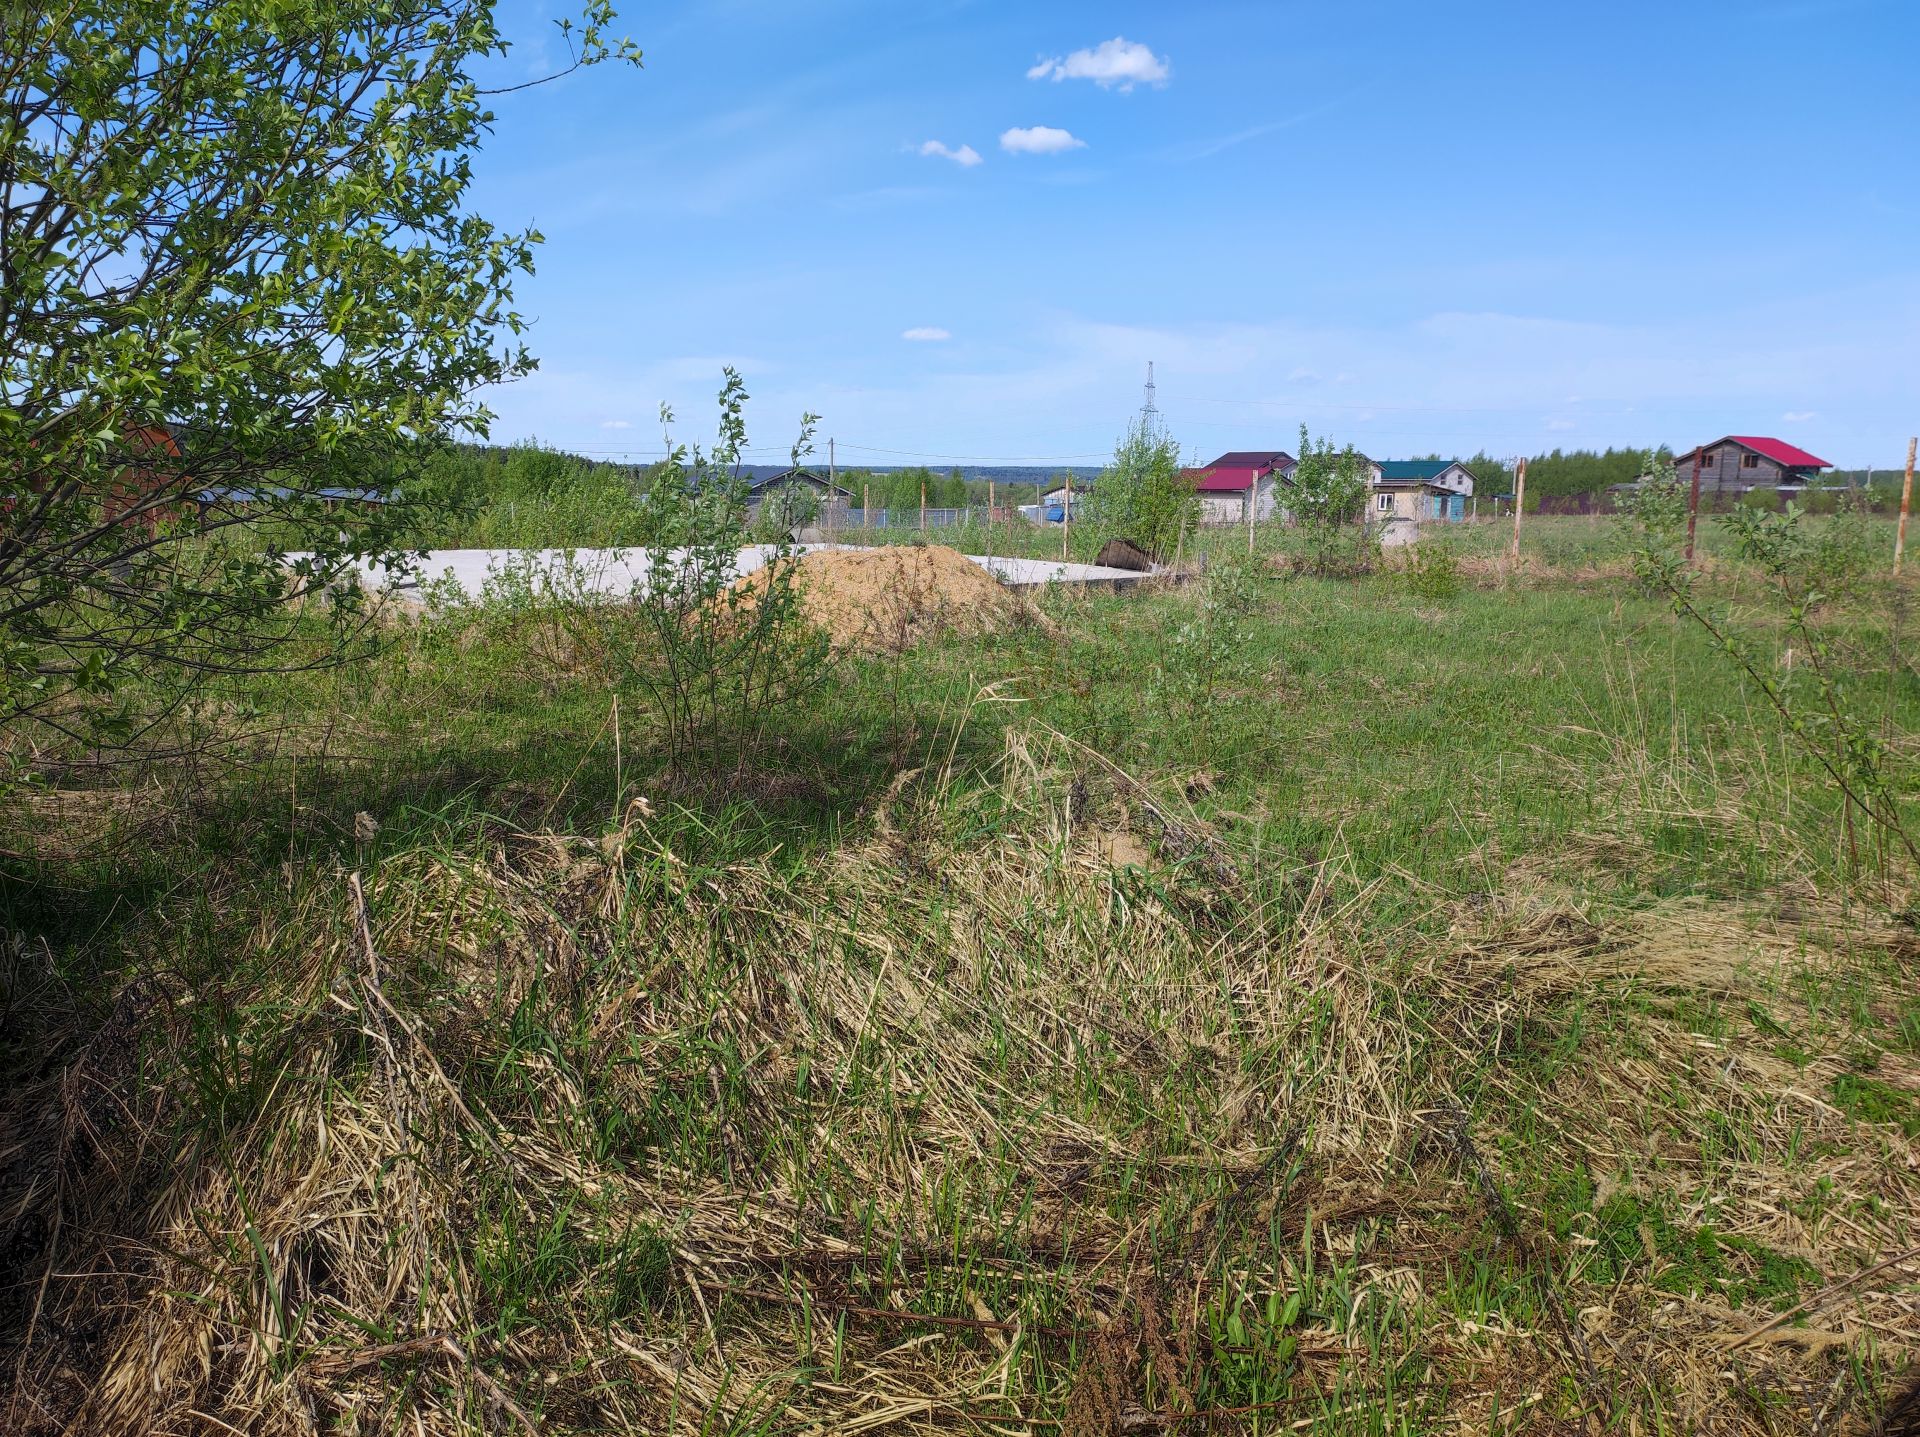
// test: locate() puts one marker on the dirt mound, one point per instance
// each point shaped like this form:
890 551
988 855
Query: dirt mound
889 599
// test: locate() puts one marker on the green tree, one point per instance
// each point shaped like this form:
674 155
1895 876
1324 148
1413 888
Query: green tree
239 286
1327 496
1143 495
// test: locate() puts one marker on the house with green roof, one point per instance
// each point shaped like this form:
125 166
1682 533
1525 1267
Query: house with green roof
1417 489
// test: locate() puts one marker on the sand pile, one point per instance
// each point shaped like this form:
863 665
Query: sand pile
888 599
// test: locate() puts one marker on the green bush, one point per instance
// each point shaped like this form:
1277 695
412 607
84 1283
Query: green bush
1432 573
1205 660
718 657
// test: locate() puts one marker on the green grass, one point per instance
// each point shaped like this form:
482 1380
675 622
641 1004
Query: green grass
1484 983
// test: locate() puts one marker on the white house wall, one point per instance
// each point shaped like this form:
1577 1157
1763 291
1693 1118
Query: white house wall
1231 507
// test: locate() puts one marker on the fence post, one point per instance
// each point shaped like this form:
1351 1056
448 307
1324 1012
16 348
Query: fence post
1519 504
1066 515
1906 501
1693 507
866 511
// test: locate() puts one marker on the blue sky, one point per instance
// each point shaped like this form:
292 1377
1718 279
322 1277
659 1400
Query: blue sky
1419 227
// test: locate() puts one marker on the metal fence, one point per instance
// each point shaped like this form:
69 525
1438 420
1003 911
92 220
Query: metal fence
908 518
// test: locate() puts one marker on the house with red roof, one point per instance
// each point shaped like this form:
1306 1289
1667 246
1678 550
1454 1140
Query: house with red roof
1741 462
1237 478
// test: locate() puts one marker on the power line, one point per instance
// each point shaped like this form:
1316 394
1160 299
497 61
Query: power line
975 458
1297 403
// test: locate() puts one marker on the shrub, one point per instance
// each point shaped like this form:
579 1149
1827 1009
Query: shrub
1326 500
1814 698
784 512
1205 659
1433 571
1658 508
717 656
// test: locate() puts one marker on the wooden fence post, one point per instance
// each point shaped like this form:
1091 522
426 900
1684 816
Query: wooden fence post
1693 507
1906 501
1519 503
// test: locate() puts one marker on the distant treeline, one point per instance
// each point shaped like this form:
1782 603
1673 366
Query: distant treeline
1561 474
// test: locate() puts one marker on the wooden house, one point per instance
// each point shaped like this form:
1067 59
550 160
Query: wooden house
1741 462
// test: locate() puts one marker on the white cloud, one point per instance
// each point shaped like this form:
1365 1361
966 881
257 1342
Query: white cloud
966 156
1561 424
1039 140
1118 62
925 333
615 424
1797 416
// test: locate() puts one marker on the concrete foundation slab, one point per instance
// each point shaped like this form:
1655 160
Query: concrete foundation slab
622 573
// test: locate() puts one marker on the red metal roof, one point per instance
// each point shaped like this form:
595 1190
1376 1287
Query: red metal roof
1253 458
1234 471
1227 479
1780 452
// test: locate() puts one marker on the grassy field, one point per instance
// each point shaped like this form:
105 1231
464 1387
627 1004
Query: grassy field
1466 1012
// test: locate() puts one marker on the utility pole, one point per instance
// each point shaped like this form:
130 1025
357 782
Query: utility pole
1519 503
989 515
833 490
1906 502
1253 503
1693 507
923 505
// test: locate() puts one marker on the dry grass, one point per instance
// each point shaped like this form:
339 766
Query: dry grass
1032 1109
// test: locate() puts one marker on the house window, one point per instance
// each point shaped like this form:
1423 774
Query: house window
1706 461
1749 461
1386 502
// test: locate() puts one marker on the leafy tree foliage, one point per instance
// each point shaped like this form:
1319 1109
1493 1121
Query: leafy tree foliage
529 496
239 283
898 490
1143 495
1327 495
1562 474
